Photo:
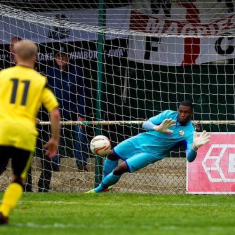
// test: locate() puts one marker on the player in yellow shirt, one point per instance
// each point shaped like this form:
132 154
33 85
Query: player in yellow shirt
22 92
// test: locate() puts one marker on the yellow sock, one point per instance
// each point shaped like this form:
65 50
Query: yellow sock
10 198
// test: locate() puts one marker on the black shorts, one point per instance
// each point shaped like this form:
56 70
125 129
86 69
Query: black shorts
21 160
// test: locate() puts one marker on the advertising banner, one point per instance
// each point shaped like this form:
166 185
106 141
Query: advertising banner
187 33
159 32
213 171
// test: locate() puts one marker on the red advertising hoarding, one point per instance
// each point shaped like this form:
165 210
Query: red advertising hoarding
213 171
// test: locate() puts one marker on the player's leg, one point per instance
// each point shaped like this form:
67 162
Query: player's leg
4 159
123 151
46 171
28 183
112 178
140 161
21 160
135 163
48 165
46 174
81 148
55 163
110 163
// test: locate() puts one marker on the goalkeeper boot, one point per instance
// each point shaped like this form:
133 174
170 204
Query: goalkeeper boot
108 189
3 219
91 191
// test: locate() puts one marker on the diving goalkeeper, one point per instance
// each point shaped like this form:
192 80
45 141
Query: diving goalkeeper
169 129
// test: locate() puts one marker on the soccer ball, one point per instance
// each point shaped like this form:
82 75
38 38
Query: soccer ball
100 145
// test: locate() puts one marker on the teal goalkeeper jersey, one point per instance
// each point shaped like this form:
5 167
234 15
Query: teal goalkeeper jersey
161 143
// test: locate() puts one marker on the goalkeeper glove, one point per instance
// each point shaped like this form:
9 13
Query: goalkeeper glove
163 127
198 141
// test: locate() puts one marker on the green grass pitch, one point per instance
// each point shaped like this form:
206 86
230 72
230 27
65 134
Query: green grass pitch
121 214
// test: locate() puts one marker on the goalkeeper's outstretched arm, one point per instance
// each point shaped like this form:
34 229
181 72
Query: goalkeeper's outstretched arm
163 127
198 141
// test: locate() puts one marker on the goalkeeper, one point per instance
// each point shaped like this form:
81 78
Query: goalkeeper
169 129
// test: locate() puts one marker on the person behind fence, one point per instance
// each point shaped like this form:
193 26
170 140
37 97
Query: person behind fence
71 90
169 129
9 61
22 92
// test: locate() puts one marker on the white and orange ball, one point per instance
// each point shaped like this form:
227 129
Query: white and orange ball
100 145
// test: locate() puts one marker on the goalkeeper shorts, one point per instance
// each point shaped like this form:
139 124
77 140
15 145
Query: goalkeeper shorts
134 156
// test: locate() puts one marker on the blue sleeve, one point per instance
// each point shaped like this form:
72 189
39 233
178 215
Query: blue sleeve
148 125
156 120
190 153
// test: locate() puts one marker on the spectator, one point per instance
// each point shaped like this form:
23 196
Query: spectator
67 81
9 62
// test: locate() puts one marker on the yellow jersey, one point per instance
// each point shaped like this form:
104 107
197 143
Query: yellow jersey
22 92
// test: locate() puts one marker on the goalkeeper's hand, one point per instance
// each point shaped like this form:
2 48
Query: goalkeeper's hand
198 141
163 127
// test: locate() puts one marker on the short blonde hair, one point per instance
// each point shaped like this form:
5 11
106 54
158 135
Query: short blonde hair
25 49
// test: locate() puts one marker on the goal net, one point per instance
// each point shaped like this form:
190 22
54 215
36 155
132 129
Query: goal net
113 64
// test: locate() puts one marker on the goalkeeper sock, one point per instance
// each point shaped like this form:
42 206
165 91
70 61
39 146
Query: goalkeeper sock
10 198
109 180
109 166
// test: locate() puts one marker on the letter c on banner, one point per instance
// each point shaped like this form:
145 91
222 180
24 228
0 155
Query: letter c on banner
220 50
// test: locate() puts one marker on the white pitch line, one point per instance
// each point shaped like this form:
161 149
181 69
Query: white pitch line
101 226
124 204
77 226
59 225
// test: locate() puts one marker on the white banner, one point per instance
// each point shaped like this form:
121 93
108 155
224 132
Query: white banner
195 19
204 21
40 32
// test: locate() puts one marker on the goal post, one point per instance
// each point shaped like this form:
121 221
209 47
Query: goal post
138 58
101 39
195 122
